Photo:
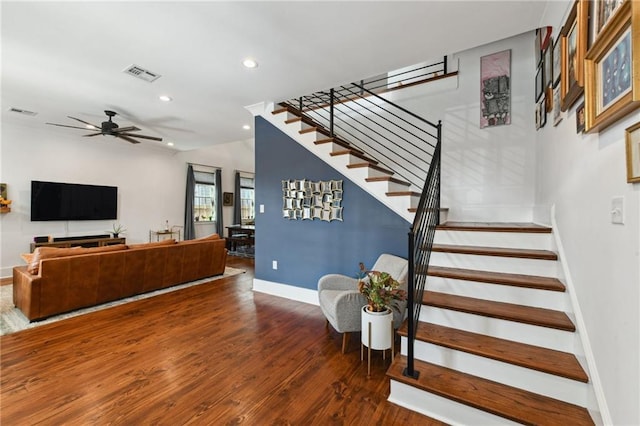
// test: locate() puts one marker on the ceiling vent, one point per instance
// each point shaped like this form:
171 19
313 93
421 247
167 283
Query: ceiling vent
23 111
141 73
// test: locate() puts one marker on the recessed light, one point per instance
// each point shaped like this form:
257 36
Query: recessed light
170 143
165 98
246 127
250 63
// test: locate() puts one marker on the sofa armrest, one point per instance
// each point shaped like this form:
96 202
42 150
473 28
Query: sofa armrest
26 292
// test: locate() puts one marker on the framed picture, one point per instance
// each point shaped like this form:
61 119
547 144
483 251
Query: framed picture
580 118
604 10
539 82
3 190
573 38
557 111
543 111
632 136
495 88
557 51
537 46
227 198
610 92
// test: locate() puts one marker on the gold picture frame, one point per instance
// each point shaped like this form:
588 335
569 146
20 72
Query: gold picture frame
632 138
573 38
612 89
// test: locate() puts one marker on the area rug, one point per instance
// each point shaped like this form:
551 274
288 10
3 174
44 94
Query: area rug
12 319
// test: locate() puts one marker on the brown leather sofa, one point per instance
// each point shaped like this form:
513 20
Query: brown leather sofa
86 277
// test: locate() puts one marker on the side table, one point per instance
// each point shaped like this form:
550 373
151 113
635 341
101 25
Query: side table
163 235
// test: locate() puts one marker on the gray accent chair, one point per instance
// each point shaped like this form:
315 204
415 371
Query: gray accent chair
341 302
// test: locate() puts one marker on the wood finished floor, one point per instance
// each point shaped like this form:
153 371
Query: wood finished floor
216 354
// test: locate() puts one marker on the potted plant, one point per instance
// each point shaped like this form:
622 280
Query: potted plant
117 229
380 289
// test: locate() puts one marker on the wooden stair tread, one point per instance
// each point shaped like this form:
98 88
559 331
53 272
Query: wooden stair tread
337 141
550 361
506 311
320 130
354 153
516 280
496 251
370 165
387 179
402 194
502 400
495 227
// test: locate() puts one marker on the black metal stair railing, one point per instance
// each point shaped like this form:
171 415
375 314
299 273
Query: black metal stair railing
359 114
421 236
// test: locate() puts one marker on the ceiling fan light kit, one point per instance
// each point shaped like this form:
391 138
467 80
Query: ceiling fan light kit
110 128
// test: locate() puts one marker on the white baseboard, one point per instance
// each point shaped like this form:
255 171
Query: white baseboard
287 291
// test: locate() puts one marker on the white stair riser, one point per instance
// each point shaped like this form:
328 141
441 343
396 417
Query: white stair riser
519 332
499 293
534 381
495 239
367 172
443 409
388 186
510 265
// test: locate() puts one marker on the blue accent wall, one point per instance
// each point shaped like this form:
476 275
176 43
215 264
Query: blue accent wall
307 249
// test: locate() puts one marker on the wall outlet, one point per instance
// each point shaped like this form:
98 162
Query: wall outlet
261 208
274 264
617 210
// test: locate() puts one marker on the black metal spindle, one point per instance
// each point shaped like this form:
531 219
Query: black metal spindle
331 100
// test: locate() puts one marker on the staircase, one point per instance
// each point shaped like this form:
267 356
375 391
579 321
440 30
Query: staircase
494 344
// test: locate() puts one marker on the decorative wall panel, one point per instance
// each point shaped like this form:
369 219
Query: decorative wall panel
308 200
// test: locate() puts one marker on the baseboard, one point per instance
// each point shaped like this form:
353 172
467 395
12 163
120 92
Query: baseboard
287 291
600 414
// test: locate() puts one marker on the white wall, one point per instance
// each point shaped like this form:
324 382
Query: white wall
487 174
579 174
150 181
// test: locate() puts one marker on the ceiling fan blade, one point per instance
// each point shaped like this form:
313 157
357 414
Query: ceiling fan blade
126 129
153 138
93 134
126 138
84 122
64 125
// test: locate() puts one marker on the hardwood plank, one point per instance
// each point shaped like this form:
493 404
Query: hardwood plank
496 251
495 227
215 353
550 361
502 400
506 311
516 280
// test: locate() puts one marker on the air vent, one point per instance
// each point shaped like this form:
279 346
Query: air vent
141 73
23 111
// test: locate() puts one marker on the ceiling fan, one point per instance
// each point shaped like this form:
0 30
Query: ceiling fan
110 128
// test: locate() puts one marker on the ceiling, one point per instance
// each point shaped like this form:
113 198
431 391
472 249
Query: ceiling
64 59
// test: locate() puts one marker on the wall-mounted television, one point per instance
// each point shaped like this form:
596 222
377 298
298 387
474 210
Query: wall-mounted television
72 201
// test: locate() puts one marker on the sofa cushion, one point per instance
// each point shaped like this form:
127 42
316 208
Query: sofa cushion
27 257
213 236
48 253
167 242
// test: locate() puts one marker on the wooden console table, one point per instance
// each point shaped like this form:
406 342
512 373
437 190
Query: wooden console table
88 242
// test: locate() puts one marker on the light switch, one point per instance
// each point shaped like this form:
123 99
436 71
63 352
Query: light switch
617 210
261 208
274 264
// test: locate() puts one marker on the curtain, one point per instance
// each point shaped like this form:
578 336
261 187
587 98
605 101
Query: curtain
237 217
189 228
219 225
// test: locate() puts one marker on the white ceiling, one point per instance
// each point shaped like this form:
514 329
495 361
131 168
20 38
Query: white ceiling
66 58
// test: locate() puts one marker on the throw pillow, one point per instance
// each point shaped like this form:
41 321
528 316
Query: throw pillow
48 253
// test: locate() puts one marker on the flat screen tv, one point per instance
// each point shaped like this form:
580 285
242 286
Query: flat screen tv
72 201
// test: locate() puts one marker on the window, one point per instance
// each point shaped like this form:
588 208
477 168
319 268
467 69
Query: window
247 200
204 197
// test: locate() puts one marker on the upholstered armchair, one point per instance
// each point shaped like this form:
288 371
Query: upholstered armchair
341 302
